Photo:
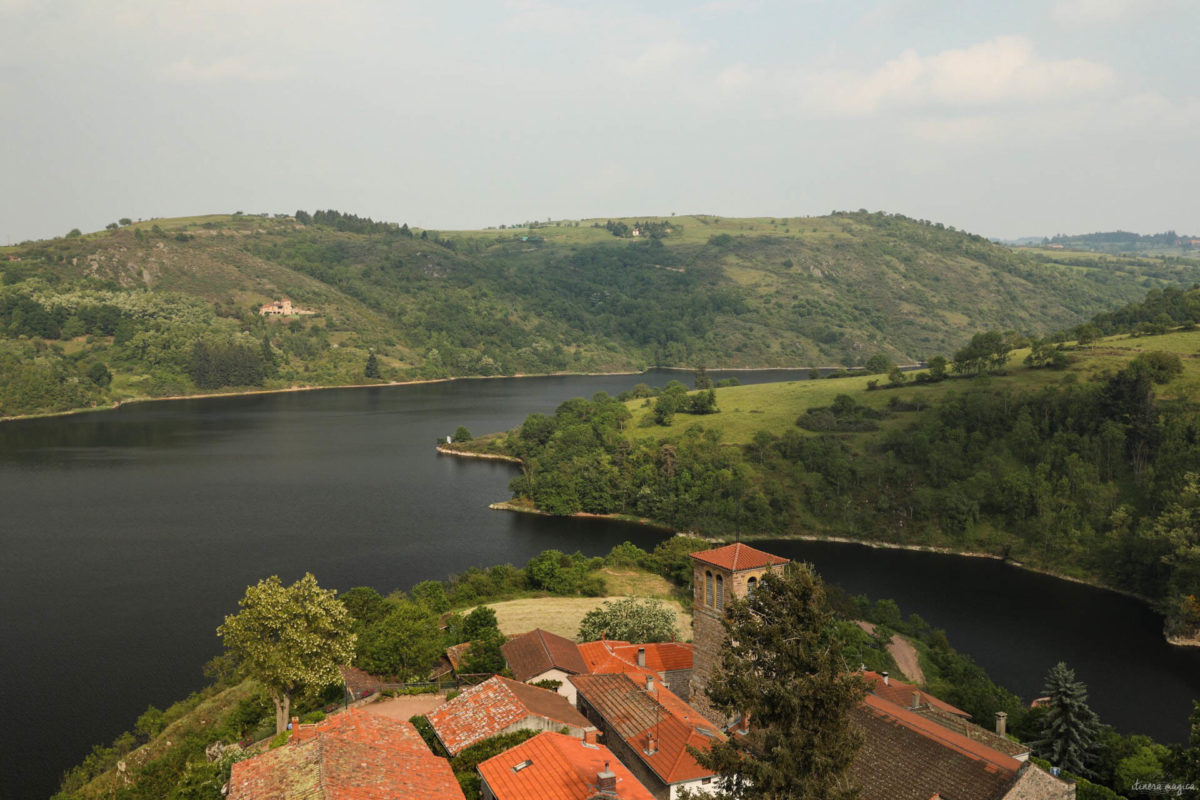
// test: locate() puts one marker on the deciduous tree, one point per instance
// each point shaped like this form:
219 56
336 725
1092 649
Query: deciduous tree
289 638
631 619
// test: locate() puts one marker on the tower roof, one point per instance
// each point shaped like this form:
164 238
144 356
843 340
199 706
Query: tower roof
737 557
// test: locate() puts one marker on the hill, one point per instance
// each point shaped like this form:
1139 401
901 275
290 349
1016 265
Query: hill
171 307
1080 460
1168 243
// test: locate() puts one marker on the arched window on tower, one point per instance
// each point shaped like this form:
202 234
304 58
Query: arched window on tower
720 593
708 589
751 585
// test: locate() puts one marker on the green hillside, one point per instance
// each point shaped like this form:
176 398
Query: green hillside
169 307
1082 460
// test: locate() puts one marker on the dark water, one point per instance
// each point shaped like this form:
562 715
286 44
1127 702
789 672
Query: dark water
128 535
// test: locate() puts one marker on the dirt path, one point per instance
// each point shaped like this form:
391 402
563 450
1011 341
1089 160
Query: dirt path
903 652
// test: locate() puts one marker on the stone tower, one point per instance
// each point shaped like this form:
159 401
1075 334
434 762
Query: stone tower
718 576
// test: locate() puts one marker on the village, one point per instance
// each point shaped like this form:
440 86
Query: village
619 719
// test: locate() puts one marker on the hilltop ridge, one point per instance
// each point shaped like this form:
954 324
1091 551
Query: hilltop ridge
171 307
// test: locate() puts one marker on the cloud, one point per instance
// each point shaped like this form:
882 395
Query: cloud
662 56
187 70
1072 13
1002 71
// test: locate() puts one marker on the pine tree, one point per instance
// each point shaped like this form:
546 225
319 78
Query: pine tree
782 665
1070 727
372 368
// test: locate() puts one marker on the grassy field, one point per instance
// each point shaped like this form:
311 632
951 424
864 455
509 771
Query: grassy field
744 410
562 615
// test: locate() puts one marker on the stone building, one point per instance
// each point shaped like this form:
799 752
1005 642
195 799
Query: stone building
719 575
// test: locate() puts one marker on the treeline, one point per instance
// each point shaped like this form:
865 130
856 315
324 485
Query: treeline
1097 478
351 223
1160 310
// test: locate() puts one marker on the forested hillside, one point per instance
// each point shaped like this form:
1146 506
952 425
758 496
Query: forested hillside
1078 459
170 307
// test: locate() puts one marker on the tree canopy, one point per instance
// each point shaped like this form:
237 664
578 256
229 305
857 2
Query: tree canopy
630 619
1070 727
290 638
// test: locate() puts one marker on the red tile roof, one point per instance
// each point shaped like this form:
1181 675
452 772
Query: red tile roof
901 694
907 757
738 556
533 653
608 656
560 768
635 715
487 709
350 756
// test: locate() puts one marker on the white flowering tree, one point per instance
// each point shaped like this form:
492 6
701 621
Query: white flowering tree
630 620
290 638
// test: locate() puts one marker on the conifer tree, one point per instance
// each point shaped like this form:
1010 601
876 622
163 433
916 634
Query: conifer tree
1070 727
372 368
782 665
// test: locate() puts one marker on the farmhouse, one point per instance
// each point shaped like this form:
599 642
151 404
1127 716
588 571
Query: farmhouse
551 766
283 308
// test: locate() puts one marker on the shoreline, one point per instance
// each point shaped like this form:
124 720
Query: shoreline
117 404
446 451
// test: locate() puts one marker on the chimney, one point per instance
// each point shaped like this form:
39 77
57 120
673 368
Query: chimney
651 745
916 700
649 683
606 782
884 675
591 737
641 656
1001 722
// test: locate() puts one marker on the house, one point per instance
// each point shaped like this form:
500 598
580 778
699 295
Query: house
906 756
352 754
282 308
501 705
670 662
650 729
541 655
551 766
902 693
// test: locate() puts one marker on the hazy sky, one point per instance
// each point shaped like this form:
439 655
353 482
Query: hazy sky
1005 118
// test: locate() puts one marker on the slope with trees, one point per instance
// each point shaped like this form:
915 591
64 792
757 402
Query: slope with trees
169 307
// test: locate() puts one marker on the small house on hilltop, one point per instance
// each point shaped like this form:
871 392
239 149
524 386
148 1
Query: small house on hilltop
283 308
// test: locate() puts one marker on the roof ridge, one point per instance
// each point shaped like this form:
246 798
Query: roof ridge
943 735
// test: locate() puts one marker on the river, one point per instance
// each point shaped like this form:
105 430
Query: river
128 535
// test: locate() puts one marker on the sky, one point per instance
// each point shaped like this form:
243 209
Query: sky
1005 119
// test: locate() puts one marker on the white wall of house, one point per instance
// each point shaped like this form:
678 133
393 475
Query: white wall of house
697 786
567 689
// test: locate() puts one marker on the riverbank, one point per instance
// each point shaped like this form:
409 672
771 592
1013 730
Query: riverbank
419 381
447 451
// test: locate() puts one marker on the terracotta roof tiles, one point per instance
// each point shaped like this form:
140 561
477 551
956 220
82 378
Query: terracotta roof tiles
737 557
533 653
609 656
350 756
489 708
636 715
560 768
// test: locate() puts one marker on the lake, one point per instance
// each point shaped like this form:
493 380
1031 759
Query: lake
128 535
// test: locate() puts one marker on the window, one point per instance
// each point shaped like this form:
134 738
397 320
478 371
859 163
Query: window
720 593
751 585
708 589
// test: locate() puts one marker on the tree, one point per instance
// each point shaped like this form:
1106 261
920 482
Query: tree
937 368
878 364
99 374
404 644
1069 728
461 434
289 638
372 368
125 221
986 351
701 379
782 665
631 619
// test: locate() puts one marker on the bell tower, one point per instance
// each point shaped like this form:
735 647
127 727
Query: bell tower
718 576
